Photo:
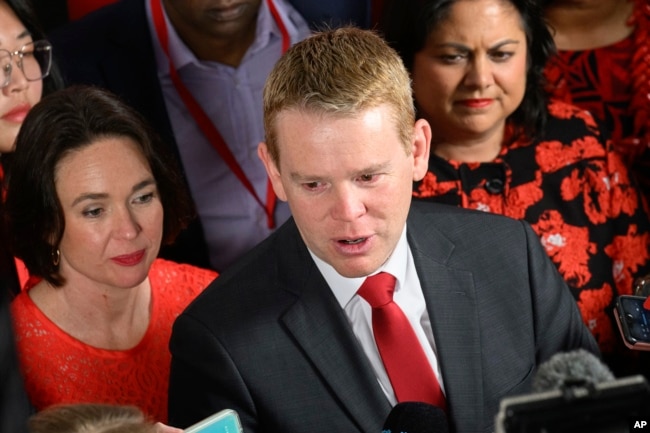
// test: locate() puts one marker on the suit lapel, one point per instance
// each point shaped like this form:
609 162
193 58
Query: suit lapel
321 327
450 298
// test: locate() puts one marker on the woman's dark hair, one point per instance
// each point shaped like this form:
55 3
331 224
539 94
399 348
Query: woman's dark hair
62 122
25 13
406 25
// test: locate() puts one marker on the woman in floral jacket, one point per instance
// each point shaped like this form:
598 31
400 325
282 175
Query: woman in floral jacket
499 146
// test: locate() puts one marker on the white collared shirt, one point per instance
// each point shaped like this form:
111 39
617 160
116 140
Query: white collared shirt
408 295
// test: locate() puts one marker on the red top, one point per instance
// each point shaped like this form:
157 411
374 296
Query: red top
58 368
599 81
612 83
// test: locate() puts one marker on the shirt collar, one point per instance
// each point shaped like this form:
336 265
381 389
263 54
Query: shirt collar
345 288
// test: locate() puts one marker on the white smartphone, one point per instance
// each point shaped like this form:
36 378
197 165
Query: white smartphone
225 421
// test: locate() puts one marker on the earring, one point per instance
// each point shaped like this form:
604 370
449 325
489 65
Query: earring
56 257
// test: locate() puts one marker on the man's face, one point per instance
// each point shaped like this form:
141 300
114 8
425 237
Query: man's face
348 182
222 19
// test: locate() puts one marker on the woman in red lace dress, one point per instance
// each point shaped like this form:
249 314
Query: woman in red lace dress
603 65
497 146
89 203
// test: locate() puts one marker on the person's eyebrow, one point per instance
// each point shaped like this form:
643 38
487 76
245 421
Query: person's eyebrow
375 168
102 195
24 34
89 196
461 47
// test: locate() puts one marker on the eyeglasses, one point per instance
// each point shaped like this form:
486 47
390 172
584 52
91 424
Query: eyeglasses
34 59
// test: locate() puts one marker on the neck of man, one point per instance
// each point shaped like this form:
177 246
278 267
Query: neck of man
588 24
225 51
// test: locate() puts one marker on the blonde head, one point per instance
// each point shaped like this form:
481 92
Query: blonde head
339 72
90 418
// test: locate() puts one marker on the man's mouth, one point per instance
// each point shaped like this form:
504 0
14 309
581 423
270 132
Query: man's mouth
352 241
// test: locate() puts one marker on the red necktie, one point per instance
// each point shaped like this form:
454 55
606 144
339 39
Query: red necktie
407 366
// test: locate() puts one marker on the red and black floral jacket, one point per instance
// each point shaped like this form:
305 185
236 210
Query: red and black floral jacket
577 195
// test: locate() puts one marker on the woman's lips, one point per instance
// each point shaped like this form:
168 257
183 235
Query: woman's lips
476 103
129 259
17 114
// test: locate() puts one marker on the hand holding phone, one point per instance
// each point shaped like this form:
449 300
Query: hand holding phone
633 321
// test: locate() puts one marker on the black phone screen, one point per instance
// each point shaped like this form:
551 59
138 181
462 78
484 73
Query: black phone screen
635 317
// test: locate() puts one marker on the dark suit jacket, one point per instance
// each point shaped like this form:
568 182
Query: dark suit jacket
268 338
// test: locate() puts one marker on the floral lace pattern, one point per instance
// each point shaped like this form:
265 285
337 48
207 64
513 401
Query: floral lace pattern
61 369
612 83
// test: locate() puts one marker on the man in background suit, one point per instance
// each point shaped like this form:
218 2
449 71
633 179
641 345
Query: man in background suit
222 51
284 338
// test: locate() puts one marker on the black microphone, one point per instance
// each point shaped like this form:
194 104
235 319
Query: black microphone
568 369
416 417
575 391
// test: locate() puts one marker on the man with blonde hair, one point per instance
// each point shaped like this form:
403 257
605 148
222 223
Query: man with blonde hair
362 299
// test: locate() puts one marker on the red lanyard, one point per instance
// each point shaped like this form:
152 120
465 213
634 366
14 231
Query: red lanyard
203 120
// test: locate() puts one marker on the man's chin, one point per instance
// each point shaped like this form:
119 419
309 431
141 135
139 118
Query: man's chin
351 268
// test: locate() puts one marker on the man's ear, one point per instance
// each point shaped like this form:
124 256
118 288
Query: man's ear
271 170
421 148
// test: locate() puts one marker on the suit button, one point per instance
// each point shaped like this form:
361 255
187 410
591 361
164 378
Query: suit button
494 186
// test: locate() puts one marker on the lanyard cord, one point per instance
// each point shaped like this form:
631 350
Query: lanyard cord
203 120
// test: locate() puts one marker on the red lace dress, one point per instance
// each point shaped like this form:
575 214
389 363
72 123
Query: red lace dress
61 369
613 83
577 196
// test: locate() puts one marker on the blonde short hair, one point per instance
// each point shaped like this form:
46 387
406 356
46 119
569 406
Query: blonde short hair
339 72
90 418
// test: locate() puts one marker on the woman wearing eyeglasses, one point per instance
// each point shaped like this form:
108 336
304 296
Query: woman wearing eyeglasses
25 60
22 85
26 70
26 73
